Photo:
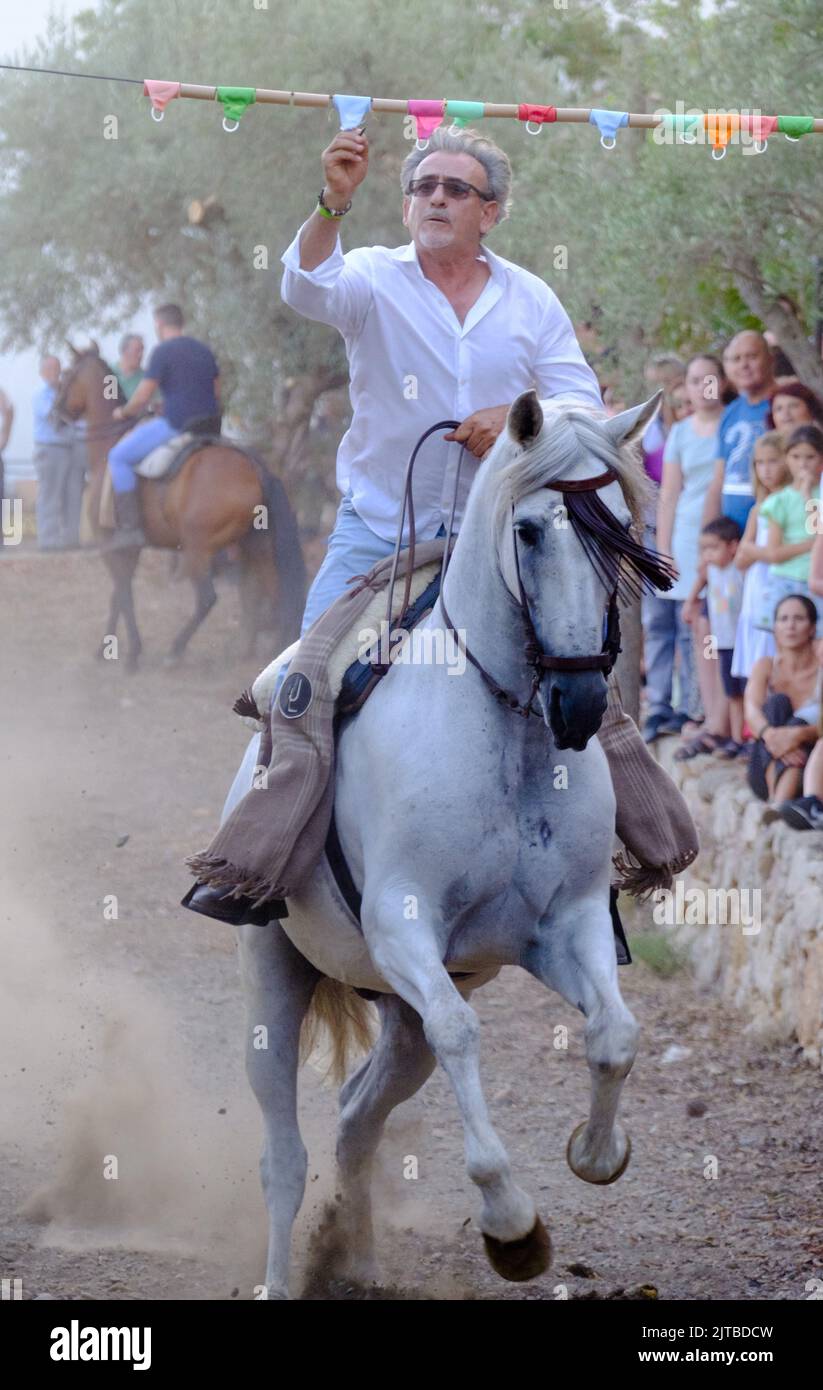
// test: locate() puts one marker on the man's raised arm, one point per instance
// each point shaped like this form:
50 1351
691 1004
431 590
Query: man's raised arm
317 281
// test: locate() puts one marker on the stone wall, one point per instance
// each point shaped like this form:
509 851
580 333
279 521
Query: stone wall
774 975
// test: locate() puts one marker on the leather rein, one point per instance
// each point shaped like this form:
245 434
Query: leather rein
535 657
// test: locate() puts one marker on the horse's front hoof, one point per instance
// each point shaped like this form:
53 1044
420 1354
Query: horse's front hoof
589 1171
518 1260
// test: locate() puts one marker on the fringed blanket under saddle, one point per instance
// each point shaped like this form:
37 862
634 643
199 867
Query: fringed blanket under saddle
272 840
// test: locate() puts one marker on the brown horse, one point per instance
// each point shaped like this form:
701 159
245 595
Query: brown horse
221 497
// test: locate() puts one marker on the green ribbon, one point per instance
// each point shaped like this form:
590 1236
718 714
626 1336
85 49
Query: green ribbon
684 125
235 101
462 112
795 125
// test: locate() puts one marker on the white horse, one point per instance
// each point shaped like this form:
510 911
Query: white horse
478 839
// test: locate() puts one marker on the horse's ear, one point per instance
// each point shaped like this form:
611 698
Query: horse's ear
94 348
73 350
630 424
525 419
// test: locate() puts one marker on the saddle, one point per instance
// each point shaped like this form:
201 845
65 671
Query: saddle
165 461
352 673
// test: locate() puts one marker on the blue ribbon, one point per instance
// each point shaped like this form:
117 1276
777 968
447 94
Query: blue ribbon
351 110
608 122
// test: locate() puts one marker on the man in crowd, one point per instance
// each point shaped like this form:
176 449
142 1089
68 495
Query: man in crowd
129 368
6 422
749 367
187 374
53 461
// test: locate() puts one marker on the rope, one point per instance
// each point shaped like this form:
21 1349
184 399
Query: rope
58 72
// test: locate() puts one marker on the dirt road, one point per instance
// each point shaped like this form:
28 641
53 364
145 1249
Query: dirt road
130 1138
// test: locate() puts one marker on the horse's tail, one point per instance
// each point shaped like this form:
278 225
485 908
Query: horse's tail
287 554
342 1018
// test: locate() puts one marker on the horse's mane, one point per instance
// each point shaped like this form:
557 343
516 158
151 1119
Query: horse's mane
573 435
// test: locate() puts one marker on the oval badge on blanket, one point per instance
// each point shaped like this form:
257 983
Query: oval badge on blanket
295 695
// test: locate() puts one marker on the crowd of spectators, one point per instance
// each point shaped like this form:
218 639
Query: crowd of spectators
733 652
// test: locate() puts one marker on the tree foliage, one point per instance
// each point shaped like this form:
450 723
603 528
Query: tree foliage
665 246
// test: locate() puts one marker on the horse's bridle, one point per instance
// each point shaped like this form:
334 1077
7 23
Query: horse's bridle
91 436
536 659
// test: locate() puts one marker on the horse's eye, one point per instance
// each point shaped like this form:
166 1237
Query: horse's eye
528 532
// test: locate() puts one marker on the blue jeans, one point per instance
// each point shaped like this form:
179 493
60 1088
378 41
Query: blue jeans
133 448
352 548
663 632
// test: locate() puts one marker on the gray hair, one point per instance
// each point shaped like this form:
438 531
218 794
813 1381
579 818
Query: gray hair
494 160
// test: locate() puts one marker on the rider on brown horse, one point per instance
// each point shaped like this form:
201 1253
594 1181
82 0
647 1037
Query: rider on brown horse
187 374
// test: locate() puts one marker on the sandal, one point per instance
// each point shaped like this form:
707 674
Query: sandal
729 750
704 743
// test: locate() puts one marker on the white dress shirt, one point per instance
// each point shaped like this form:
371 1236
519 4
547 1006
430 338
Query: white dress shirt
412 363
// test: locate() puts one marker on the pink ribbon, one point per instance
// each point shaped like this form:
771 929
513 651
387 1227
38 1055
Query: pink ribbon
160 93
428 115
761 127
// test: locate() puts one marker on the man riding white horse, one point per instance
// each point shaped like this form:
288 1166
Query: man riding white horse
437 329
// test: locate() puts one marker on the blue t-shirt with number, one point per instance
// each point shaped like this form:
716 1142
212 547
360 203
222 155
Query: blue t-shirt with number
740 425
185 371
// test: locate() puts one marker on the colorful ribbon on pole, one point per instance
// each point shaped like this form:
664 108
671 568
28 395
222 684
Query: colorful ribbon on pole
608 123
795 126
427 117
160 94
536 116
462 113
235 102
351 110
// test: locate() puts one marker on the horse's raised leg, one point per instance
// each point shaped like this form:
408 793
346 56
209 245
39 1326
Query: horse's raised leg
397 1067
407 955
205 598
578 960
278 984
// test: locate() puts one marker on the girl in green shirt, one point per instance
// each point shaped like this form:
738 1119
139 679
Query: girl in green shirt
793 512
794 520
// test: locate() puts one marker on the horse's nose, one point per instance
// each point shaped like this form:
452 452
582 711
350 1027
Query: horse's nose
574 703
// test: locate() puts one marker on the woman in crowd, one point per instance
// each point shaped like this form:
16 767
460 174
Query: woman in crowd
782 704
793 404
688 465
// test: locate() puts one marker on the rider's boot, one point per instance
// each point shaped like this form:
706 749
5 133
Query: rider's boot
129 534
238 912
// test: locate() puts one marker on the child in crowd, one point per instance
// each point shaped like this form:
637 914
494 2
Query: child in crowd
794 521
723 582
770 474
679 402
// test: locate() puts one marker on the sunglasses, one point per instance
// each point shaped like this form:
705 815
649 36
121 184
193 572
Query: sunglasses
453 188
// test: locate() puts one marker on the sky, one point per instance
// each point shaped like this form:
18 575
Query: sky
23 20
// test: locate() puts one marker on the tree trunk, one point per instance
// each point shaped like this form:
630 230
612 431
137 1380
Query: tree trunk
787 328
291 425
